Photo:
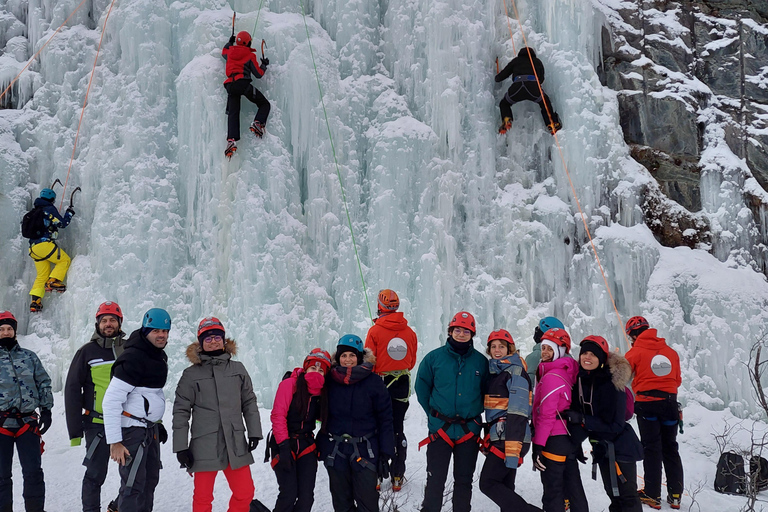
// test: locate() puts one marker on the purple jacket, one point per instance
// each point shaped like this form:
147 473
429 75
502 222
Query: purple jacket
552 395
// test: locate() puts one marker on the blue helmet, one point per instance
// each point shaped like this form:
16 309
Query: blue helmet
550 322
48 194
351 340
157 318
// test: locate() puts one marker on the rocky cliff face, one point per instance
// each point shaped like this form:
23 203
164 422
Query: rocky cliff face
692 82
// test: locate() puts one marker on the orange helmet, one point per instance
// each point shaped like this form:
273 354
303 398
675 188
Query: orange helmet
465 320
636 322
501 334
243 38
388 300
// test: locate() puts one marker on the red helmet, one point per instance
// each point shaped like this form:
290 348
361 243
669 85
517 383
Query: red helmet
388 300
599 341
7 318
501 334
558 336
110 308
318 356
465 320
209 323
243 38
636 322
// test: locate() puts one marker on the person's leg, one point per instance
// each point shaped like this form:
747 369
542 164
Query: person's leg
464 462
506 108
630 501
546 110
493 483
650 436
131 498
241 484
43 268
673 465
61 261
306 472
288 489
340 483
438 459
233 111
553 495
95 468
28 446
262 104
6 465
574 490
152 469
364 490
398 392
202 494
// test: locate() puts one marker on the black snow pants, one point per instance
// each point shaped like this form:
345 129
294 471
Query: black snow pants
28 446
497 481
527 91
657 422
297 485
235 90
353 490
141 495
398 391
96 463
627 500
464 461
562 479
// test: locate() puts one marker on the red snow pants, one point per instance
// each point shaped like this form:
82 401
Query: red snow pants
240 483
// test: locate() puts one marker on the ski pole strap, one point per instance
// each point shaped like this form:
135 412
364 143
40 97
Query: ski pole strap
55 247
135 463
524 78
92 449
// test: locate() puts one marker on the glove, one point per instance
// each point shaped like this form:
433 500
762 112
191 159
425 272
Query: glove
264 63
162 434
232 39
185 458
253 442
580 456
572 416
71 211
284 457
44 422
383 469
538 458
76 441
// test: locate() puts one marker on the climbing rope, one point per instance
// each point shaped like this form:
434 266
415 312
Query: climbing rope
336 161
85 102
567 173
29 62
257 18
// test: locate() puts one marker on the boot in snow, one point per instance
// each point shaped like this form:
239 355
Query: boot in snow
674 501
231 148
54 285
36 304
258 128
397 483
654 503
506 125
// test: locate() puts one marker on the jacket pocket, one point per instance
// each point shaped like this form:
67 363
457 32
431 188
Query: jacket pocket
238 435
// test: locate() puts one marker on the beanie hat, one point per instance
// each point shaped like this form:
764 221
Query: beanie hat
346 348
591 346
7 318
209 332
559 351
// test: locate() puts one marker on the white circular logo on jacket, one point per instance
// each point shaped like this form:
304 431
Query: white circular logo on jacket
661 365
397 349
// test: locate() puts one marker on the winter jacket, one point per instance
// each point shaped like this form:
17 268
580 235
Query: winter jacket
600 396
24 384
508 407
286 420
555 379
532 362
453 385
138 377
656 366
393 343
52 220
521 66
242 63
359 406
87 381
216 392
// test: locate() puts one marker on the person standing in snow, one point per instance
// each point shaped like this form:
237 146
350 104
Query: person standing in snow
133 406
554 453
394 345
358 439
657 377
507 414
24 387
301 400
87 380
242 64
599 411
44 250
450 385
527 73
217 394
532 359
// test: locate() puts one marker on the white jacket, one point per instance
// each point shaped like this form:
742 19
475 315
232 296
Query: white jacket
147 403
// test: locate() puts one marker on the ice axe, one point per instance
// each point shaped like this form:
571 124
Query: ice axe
56 182
234 15
263 44
72 197
497 65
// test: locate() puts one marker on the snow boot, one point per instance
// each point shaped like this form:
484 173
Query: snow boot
654 503
112 507
231 148
555 125
54 285
674 501
397 483
258 128
36 305
506 125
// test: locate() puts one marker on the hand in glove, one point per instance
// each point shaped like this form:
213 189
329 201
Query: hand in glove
71 211
284 457
185 458
383 469
580 456
538 458
572 416
44 422
162 434
264 63
253 442
232 39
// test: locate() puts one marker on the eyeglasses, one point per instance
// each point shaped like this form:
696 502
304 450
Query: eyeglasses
213 339
461 330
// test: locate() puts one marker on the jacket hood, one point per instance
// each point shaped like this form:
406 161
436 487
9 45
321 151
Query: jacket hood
368 357
43 202
114 341
194 350
392 321
649 339
497 366
621 370
565 366
525 51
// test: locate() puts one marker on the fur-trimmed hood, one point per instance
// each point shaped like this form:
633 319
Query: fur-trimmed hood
621 371
368 357
194 350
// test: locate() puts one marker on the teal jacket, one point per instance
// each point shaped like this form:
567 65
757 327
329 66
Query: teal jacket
532 362
454 386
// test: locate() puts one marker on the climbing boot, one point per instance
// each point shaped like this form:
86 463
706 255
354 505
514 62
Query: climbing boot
397 483
554 126
112 507
674 501
257 127
36 304
54 285
654 503
231 148
506 124
567 504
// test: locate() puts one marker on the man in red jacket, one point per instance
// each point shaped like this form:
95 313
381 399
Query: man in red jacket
242 64
394 345
656 369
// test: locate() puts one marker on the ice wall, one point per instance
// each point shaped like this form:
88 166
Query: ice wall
444 210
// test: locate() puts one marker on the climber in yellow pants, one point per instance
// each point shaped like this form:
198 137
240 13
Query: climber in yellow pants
58 259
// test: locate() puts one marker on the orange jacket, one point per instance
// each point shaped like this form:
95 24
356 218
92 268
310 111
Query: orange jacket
393 343
655 366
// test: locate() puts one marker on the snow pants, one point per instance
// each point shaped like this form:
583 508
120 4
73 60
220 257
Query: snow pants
353 490
657 422
497 481
439 455
96 463
527 91
145 469
562 478
240 483
627 500
398 392
235 91
297 485
48 254
28 446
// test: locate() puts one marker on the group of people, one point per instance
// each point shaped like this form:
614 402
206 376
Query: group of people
544 407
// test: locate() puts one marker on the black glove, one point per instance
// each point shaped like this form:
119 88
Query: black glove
232 39
162 434
253 442
44 422
538 458
71 211
185 458
580 456
264 63
383 469
284 457
572 416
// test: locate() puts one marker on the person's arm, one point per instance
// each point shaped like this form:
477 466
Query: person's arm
546 416
382 407
112 407
250 407
506 72
611 424
517 417
73 397
424 382
279 415
43 384
182 413
254 67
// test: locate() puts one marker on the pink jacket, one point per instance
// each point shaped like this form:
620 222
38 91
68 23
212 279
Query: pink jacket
552 395
283 398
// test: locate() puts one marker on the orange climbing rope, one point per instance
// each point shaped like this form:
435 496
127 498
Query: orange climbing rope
85 102
40 50
567 173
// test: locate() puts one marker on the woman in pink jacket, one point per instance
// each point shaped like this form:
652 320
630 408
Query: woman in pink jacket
553 452
300 401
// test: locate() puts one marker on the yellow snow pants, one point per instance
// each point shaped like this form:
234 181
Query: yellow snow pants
51 255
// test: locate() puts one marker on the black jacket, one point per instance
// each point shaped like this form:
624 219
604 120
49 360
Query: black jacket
141 364
521 65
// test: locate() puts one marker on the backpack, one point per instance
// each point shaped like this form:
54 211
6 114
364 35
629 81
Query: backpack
630 404
33 223
758 472
730 477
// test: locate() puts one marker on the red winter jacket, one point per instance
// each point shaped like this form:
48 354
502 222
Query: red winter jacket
283 398
242 62
393 343
655 366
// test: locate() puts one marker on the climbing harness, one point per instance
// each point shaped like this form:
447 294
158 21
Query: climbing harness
442 434
347 439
